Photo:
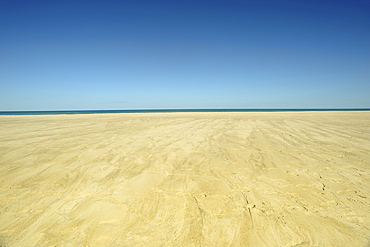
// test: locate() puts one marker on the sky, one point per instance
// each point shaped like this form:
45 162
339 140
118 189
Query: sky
187 54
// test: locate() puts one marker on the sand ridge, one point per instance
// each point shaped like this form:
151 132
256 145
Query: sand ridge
185 179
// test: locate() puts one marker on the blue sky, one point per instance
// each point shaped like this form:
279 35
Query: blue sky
134 54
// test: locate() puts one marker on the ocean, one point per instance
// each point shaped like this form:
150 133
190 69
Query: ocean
69 112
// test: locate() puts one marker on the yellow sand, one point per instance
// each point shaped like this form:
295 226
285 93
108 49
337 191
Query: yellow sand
186 179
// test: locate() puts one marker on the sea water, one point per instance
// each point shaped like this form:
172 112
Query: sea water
167 110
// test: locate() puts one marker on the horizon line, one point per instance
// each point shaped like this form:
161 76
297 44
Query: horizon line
169 110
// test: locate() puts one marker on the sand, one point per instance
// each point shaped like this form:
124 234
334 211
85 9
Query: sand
186 179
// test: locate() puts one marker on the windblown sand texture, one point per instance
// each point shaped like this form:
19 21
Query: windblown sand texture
186 179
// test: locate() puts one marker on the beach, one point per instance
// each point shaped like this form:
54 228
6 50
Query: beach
186 179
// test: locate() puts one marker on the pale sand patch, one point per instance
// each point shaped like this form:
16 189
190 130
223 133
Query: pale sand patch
185 179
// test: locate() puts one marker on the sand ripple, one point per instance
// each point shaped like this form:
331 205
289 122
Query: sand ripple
185 179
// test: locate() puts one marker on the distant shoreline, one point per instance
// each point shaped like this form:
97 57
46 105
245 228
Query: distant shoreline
72 112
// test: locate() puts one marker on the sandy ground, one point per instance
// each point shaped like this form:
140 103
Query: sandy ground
186 179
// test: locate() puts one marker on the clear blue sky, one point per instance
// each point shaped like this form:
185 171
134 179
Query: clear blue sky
133 54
